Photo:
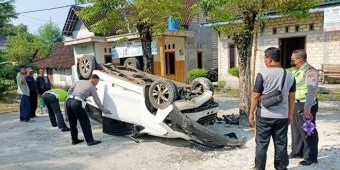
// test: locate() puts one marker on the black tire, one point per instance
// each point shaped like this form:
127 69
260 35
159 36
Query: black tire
132 62
87 64
202 84
162 93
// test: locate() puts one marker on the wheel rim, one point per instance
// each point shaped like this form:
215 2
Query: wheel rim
85 65
160 94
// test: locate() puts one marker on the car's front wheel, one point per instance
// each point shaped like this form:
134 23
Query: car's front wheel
162 93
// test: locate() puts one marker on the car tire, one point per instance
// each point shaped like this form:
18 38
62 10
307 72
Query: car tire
87 64
202 84
132 62
162 93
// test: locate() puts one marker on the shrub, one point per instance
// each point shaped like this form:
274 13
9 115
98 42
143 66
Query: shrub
195 73
234 71
220 85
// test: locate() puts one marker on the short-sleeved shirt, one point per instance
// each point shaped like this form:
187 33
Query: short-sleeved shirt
22 87
270 79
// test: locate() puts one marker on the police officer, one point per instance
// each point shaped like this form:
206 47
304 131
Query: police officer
306 106
75 106
52 98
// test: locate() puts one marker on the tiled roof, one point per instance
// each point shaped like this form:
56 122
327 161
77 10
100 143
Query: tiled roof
187 18
60 57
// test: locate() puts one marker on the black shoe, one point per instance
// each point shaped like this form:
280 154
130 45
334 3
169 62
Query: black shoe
307 163
94 142
65 129
293 156
74 142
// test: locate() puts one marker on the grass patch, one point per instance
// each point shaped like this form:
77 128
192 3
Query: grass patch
9 102
331 95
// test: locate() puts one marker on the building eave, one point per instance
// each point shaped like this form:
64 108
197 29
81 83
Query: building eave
85 40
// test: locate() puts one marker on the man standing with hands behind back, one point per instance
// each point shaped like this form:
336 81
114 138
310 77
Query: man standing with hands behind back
23 91
306 107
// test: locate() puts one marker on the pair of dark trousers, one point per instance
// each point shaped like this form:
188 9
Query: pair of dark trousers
302 144
76 112
277 129
33 104
52 104
25 110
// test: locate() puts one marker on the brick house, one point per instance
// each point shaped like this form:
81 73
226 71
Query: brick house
58 64
322 46
184 49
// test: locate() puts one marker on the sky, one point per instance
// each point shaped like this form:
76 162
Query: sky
36 19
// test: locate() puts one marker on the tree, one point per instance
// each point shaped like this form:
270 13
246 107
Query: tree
242 18
148 17
7 11
49 34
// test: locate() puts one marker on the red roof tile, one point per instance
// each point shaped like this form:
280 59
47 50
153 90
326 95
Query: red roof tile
60 57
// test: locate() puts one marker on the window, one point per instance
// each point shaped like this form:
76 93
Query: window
311 27
199 60
287 29
297 28
108 58
110 50
105 50
173 46
170 63
274 30
232 56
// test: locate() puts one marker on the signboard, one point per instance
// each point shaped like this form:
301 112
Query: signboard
331 21
131 49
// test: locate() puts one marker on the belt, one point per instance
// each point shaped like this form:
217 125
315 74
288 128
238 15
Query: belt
49 92
300 100
76 97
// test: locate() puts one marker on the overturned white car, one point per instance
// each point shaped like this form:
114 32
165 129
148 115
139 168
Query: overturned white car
142 103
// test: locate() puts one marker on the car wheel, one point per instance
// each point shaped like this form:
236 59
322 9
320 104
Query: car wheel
202 84
162 93
132 62
87 64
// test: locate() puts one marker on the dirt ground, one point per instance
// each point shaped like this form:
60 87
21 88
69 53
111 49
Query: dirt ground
37 145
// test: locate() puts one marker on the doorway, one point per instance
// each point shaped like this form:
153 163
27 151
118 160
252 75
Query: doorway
287 46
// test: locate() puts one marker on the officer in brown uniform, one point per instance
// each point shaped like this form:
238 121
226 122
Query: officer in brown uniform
75 106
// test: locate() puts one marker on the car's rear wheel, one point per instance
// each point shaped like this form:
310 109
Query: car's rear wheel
202 84
87 64
132 62
162 93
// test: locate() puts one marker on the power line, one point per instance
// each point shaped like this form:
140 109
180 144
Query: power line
46 9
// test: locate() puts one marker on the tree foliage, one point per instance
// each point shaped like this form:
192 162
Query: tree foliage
7 11
49 34
240 19
148 17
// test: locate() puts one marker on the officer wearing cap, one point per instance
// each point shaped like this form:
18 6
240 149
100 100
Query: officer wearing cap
306 106
75 106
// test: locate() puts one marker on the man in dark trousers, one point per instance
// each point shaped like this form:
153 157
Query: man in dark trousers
75 106
32 86
306 106
51 99
272 121
43 84
24 92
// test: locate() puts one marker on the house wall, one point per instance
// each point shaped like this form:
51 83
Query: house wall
180 57
321 47
83 49
80 31
62 77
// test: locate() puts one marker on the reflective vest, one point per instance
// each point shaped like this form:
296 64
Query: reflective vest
62 94
301 86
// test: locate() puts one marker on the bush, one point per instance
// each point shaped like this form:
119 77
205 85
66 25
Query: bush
195 73
234 71
7 77
220 85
